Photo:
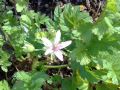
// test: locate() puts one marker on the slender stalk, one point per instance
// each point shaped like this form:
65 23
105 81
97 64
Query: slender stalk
38 49
55 66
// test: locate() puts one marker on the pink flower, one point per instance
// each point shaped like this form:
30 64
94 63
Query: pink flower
56 46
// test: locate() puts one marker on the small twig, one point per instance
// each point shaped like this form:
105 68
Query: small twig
88 3
98 9
55 66
16 68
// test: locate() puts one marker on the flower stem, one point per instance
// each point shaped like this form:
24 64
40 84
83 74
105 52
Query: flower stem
38 49
55 66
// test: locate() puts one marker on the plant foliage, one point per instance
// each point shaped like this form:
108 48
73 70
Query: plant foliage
93 55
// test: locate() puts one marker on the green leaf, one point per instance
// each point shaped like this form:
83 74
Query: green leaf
39 18
4 85
107 86
67 84
108 22
38 79
28 47
92 76
79 54
26 19
57 14
29 81
118 5
20 5
111 5
100 29
73 18
23 76
20 85
4 62
5 69
83 86
56 79
75 82
79 82
110 61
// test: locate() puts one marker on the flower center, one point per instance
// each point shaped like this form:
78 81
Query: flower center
56 47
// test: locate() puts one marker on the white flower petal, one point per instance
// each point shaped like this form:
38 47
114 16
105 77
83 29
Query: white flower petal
64 44
48 51
47 42
57 37
59 55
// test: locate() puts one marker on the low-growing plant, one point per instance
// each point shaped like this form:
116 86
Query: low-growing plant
92 58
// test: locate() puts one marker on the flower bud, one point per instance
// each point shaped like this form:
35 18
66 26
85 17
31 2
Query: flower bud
39 35
28 48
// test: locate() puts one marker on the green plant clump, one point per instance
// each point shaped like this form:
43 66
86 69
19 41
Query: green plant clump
93 52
